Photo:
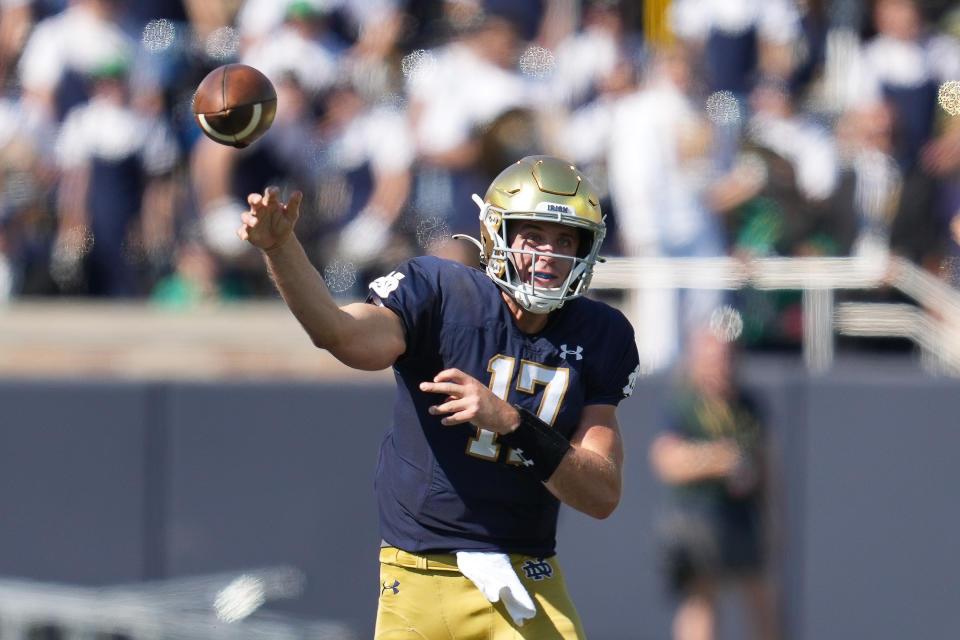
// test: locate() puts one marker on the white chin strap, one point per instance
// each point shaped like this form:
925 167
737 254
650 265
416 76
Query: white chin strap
533 303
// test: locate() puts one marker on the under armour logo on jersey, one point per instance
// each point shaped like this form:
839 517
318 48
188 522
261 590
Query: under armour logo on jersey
395 587
538 569
564 352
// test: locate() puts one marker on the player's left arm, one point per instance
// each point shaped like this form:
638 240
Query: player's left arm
590 476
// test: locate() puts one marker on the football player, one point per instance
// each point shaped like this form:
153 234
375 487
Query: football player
508 381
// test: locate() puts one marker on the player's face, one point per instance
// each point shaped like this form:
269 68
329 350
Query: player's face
544 238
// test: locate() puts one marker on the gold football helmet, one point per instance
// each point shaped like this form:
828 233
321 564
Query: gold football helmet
547 189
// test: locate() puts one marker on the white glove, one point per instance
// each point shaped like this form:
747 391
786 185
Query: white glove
496 579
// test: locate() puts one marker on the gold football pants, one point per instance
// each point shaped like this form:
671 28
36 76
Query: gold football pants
425 597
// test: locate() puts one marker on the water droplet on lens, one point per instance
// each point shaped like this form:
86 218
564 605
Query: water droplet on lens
726 323
158 35
949 97
537 62
340 276
223 43
723 108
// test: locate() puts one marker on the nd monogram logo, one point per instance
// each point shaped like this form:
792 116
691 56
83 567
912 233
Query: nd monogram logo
537 569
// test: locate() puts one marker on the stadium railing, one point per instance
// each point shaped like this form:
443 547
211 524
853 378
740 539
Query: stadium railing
931 321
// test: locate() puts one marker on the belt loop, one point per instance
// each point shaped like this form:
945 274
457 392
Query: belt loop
422 562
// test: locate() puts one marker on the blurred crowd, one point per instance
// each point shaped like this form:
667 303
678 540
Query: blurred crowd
713 127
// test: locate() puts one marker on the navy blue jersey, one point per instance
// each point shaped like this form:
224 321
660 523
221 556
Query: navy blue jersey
449 488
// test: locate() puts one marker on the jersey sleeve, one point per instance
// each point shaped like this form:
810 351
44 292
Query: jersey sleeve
411 292
616 378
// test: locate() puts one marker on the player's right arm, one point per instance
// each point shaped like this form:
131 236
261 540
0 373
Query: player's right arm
362 336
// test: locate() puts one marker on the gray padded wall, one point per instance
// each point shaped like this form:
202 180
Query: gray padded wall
104 483
266 474
73 485
881 553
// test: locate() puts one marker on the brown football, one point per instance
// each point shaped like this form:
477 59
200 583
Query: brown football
235 104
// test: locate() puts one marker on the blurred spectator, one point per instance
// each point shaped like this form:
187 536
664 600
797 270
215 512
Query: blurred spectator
735 44
711 454
28 177
777 204
221 176
584 136
802 170
867 199
302 46
16 20
367 162
809 55
116 198
738 41
903 64
869 182
257 19
302 57
482 82
596 65
455 91
65 47
365 37
659 167
166 70
589 56
374 27
370 27
194 281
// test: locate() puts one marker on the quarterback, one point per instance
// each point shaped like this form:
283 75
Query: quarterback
508 381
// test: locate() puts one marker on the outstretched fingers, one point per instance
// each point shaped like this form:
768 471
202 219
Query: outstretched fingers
278 218
293 204
270 195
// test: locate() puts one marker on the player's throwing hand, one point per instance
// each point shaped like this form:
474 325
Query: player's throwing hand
269 222
469 400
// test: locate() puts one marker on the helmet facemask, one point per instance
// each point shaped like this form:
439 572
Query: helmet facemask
501 261
543 189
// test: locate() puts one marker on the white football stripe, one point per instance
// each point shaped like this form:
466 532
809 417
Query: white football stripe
210 131
216 135
254 122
